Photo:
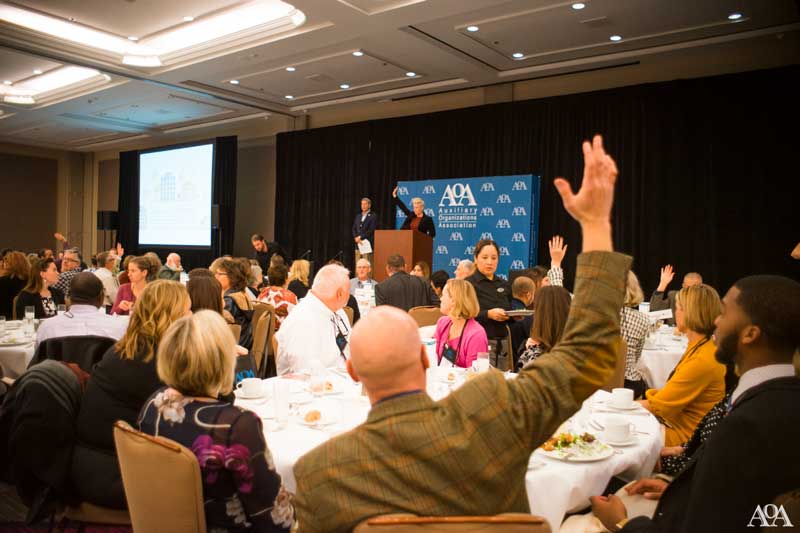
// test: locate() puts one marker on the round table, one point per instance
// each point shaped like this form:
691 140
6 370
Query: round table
554 487
16 351
660 356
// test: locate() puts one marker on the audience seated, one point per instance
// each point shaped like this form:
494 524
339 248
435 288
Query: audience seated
550 312
70 267
698 382
107 262
317 327
400 289
122 277
172 268
38 292
298 277
494 293
459 337
16 271
751 456
256 279
120 384
634 326
464 269
660 299
232 277
345 479
205 292
362 279
438 281
422 270
241 488
84 316
141 271
277 295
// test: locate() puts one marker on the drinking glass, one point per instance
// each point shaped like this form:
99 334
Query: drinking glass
2 326
61 309
281 392
30 312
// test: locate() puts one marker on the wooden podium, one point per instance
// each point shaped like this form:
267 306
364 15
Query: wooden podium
412 245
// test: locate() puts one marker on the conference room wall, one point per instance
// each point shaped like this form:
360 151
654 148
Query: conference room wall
255 194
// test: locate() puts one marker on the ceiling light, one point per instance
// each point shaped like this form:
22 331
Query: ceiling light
472 28
616 38
517 55
344 86
289 97
188 19
37 71
56 79
11 99
7 82
734 16
141 61
234 82
358 53
411 74
132 38
578 5
290 69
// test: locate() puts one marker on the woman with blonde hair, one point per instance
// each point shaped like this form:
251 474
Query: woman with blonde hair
698 382
298 277
141 271
459 337
16 271
120 384
416 220
240 484
634 326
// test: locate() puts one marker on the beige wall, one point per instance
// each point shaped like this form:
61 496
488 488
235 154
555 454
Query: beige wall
255 195
28 217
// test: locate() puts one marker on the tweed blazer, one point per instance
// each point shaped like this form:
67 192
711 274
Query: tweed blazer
467 453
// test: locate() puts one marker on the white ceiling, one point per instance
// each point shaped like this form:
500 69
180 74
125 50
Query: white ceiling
391 38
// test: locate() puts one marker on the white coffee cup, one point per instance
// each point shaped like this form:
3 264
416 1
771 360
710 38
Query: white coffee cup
481 365
617 429
621 398
250 387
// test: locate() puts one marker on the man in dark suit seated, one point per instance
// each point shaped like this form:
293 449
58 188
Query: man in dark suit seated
402 290
751 458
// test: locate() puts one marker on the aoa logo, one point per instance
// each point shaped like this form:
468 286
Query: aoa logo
769 515
519 186
456 236
516 264
399 213
504 250
428 189
430 212
469 250
487 212
486 187
442 249
402 190
456 194
502 276
519 212
487 235
454 261
503 223
518 237
504 199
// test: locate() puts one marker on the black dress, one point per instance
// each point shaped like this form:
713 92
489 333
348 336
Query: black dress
298 288
426 225
26 299
9 288
492 293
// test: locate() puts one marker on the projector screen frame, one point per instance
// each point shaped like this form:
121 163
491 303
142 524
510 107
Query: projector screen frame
212 229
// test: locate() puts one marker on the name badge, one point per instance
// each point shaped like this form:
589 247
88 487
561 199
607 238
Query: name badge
501 289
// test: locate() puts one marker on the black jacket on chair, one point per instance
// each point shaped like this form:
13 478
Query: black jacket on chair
25 299
426 225
404 291
749 460
83 350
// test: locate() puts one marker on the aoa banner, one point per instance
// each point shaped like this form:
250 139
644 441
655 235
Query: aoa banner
502 208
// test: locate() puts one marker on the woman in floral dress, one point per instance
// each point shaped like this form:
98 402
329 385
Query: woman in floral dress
241 489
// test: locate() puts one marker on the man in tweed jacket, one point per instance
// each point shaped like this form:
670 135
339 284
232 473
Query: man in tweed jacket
468 453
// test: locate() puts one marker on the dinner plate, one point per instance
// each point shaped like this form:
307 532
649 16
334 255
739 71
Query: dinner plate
604 451
15 342
608 405
325 419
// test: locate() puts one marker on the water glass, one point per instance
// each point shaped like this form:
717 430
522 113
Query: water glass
280 395
61 309
2 326
30 312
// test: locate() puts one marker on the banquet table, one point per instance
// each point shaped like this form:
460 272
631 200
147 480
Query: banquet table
661 354
16 350
554 487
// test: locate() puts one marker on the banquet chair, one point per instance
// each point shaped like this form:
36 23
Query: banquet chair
263 331
14 308
425 315
236 329
406 523
162 482
84 514
259 308
83 350
350 315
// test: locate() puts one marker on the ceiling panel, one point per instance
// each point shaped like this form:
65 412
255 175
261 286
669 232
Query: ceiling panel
157 110
374 7
16 66
64 132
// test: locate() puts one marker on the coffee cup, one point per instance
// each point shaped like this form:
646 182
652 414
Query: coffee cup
250 387
617 429
621 398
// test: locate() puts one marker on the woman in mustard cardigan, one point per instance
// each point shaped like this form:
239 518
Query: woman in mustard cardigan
698 382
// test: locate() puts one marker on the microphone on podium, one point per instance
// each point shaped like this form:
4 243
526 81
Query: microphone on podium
306 254
339 256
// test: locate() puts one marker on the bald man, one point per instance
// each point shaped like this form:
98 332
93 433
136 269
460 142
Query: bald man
468 453
660 299
172 268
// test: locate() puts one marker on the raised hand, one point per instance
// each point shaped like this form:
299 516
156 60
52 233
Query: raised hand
59 237
394 193
666 277
591 206
557 250
120 250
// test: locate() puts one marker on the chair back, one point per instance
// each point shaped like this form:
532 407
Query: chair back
505 523
425 315
350 315
617 379
263 331
162 482
83 350
14 308
259 308
236 329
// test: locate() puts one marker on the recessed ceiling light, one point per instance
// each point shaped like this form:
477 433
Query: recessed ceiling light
7 82
234 82
616 38
472 28
411 74
517 55
289 97
734 16
188 19
358 53
344 86
37 71
578 5
132 38
290 69
71 19
15 99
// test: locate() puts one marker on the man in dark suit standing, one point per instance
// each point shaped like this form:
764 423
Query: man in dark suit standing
751 457
364 230
402 290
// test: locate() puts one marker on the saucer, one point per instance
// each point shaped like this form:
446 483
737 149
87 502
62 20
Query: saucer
632 439
239 393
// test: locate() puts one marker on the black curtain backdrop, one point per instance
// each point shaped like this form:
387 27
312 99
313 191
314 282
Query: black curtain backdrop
708 171
223 194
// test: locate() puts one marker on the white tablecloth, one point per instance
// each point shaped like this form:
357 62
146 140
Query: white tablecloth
660 356
14 359
554 487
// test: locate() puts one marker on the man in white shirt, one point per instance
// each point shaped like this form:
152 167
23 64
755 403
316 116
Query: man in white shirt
317 328
107 261
84 316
